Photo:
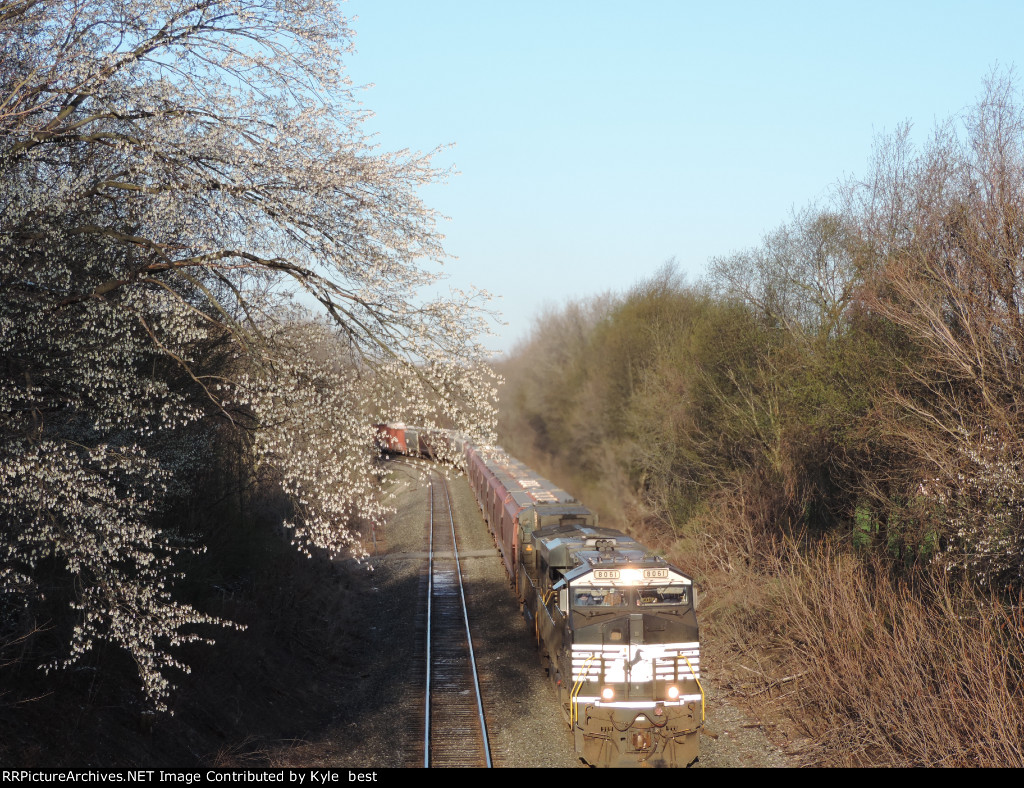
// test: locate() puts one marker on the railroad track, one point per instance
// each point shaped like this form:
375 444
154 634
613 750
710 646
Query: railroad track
454 725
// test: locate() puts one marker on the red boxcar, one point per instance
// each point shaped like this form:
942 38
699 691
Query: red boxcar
391 438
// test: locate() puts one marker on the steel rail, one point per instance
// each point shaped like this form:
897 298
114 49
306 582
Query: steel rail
430 598
469 636
445 657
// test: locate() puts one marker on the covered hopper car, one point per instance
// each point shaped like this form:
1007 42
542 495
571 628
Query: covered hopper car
615 624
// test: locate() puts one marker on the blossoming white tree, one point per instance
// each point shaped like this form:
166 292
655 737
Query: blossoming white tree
168 169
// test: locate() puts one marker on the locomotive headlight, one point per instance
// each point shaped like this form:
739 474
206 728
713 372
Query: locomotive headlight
607 693
673 693
630 576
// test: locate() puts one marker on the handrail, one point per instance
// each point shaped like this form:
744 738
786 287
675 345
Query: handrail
575 691
701 688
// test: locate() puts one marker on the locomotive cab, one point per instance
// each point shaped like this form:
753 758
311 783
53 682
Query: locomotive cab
630 647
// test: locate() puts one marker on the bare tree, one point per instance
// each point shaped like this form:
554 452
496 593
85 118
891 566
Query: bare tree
951 278
802 278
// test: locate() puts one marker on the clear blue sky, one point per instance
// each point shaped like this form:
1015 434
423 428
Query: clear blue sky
596 140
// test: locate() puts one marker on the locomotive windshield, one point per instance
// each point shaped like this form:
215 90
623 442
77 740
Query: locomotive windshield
592 596
664 595
667 597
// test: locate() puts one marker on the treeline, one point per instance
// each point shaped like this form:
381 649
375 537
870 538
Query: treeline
210 290
850 390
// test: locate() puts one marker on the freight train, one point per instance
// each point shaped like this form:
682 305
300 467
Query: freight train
615 624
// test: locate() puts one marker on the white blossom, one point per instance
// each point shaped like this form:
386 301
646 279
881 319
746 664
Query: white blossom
170 170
